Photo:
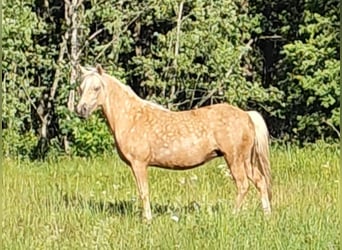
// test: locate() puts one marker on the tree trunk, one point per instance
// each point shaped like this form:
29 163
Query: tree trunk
71 11
72 19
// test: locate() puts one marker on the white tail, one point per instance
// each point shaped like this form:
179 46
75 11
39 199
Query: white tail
261 148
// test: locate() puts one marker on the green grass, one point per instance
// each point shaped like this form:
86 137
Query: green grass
93 204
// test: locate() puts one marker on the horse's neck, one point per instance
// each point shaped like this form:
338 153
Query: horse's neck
120 104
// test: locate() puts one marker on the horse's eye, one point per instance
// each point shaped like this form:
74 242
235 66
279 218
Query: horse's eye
97 88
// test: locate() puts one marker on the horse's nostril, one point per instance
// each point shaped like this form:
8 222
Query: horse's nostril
83 109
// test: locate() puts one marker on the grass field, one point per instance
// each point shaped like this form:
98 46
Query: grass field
93 204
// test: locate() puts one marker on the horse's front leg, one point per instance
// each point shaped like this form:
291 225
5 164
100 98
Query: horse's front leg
140 174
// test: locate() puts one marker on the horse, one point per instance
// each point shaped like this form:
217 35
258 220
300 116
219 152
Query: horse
147 134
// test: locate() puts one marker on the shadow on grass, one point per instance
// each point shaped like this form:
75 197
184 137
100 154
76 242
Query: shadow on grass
124 207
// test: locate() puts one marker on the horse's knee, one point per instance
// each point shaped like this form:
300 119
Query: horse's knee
243 186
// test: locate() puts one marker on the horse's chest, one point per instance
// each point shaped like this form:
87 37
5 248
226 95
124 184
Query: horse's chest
132 147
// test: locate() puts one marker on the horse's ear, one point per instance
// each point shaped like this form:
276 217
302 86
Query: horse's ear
82 69
99 69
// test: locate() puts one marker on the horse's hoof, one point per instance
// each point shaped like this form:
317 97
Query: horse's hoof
147 220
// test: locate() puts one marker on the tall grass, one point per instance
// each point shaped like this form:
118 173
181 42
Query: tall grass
93 204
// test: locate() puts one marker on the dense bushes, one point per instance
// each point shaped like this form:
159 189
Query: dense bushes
278 58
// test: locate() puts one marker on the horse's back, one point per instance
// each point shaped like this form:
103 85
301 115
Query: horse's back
200 122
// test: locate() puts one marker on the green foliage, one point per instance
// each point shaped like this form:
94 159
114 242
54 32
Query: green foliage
26 69
199 63
311 87
18 145
301 66
18 46
89 137
215 51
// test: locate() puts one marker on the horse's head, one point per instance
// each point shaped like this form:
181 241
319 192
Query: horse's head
91 90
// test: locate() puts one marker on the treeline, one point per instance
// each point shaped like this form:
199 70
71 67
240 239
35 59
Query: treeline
278 57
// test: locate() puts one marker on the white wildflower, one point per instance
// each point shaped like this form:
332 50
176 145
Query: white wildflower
175 218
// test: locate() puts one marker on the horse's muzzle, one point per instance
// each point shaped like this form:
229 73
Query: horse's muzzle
82 110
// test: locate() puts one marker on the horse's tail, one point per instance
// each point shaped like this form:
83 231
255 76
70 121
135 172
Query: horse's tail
261 150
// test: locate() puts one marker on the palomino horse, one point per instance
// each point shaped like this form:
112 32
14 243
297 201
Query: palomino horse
147 134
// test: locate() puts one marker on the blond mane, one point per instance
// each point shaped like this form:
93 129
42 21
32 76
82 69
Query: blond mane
126 88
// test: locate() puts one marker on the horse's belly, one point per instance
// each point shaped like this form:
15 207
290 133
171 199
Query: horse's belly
183 154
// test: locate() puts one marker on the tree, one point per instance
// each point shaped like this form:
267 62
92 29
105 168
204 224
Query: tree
277 57
312 93
300 63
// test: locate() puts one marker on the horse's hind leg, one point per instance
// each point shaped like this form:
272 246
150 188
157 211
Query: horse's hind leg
239 175
259 181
